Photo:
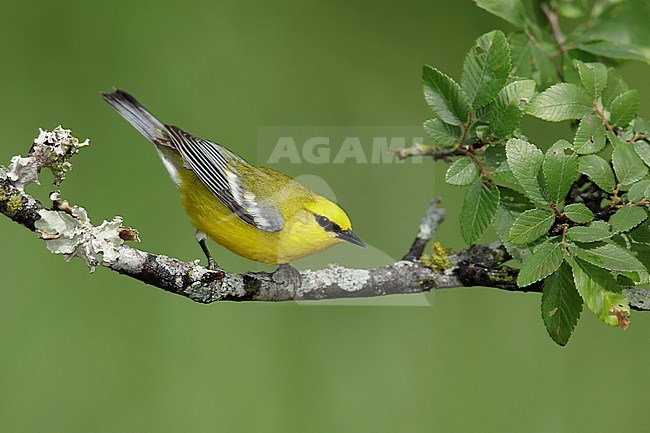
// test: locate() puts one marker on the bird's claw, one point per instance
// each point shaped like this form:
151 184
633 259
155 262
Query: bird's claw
212 264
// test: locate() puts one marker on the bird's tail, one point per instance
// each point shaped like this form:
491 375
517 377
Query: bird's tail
138 116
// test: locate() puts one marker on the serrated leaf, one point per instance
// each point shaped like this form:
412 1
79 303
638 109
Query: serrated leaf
628 217
579 213
521 54
615 87
510 10
608 256
525 162
462 172
641 126
560 170
508 108
479 209
445 97
442 133
531 225
545 260
598 170
590 136
511 205
643 150
593 77
503 221
562 101
561 304
628 166
641 234
486 68
596 231
624 108
639 190
592 284
545 74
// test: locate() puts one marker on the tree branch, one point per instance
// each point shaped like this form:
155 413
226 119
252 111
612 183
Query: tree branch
67 230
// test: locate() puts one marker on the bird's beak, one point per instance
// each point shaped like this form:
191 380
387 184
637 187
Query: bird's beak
349 236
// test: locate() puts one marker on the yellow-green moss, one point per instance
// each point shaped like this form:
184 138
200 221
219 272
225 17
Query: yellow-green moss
14 204
438 260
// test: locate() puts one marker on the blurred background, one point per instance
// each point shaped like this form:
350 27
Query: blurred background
99 352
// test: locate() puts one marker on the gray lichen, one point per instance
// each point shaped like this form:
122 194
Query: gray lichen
51 149
73 235
432 219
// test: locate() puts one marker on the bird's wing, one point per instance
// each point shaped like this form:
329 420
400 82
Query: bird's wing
216 167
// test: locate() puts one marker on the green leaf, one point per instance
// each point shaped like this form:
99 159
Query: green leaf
561 305
545 260
559 102
531 225
628 166
596 231
486 68
521 53
511 205
639 190
643 150
560 170
593 77
624 108
617 31
479 209
592 284
445 97
462 172
579 213
608 256
615 87
509 10
525 161
598 170
442 133
569 69
590 137
628 217
641 234
641 126
544 74
508 108
495 161
573 9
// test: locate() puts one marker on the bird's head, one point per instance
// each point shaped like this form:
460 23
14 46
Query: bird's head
330 223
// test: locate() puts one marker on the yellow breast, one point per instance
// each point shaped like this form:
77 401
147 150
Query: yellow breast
297 239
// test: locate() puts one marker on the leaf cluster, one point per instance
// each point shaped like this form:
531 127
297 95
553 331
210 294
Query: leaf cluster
540 203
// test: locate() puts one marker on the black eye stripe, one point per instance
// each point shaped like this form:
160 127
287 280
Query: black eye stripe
326 224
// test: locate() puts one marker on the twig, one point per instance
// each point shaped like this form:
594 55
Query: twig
423 150
430 223
552 18
104 245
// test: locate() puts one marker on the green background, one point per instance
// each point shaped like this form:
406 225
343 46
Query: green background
99 352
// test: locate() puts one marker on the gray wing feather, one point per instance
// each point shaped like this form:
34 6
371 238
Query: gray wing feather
213 165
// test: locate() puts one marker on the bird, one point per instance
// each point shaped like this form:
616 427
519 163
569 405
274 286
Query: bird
255 212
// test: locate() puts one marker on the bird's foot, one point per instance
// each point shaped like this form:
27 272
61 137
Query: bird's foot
286 275
212 264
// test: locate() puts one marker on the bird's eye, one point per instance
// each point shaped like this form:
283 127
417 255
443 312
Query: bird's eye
324 222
